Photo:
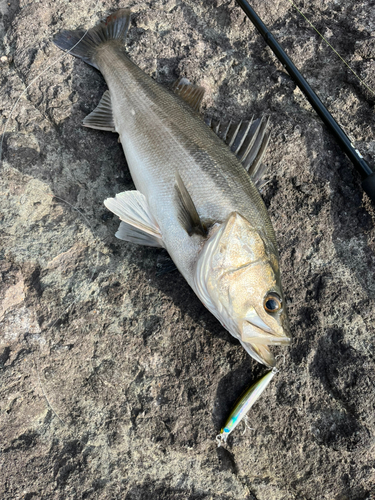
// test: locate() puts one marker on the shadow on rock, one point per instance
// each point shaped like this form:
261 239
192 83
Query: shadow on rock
339 368
163 492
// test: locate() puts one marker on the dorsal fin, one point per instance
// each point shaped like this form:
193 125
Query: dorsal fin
102 116
192 94
248 140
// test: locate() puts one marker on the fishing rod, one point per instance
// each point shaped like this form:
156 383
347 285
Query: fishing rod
366 172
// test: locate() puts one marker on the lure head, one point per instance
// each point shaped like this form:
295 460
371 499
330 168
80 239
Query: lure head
237 278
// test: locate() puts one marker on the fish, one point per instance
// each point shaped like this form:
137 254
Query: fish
196 188
244 404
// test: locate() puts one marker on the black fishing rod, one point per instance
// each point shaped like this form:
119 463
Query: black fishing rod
367 174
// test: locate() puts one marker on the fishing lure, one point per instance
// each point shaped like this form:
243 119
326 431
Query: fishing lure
244 404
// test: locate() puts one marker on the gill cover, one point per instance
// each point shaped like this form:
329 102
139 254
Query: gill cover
237 278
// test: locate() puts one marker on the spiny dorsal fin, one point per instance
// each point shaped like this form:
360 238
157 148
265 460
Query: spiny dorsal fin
187 213
138 224
192 94
248 141
257 169
102 116
254 154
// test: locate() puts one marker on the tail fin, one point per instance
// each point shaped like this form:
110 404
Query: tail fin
84 44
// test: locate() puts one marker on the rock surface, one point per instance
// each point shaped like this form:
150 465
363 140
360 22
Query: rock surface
114 380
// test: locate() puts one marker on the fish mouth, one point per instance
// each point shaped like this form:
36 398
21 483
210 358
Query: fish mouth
255 331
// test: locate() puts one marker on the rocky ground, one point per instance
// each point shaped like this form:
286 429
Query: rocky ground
115 380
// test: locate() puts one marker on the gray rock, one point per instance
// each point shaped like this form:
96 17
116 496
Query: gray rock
115 380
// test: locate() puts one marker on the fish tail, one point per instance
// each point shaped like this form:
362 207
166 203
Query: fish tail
84 44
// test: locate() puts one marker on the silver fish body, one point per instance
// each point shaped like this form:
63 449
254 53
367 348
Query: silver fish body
167 145
161 135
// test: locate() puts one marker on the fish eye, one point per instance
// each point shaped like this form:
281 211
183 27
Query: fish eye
272 302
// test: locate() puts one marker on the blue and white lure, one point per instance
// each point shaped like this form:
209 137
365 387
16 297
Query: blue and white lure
244 404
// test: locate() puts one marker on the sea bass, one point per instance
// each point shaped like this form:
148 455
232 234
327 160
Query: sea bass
193 195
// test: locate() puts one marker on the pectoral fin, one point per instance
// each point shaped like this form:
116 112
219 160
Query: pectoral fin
187 213
102 116
138 224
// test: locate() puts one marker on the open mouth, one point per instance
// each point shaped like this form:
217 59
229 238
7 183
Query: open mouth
255 331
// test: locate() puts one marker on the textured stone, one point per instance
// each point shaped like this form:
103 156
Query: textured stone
115 380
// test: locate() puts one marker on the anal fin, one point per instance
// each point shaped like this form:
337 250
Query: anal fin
102 116
138 225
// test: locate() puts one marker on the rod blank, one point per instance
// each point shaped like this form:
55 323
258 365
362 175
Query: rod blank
367 174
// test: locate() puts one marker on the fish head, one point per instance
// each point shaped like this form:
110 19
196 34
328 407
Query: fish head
237 277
